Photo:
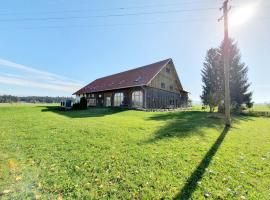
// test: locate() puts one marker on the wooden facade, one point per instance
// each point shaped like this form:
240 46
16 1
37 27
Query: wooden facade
162 91
152 98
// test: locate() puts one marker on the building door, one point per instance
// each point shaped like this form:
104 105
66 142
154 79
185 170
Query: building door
108 101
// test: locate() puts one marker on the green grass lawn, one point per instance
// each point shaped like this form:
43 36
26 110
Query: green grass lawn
260 108
121 154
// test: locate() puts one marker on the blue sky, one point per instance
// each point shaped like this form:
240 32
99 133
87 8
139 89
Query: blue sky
54 47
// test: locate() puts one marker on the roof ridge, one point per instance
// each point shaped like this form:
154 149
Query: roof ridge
129 70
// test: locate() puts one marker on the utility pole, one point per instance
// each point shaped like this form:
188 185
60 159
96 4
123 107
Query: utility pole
227 100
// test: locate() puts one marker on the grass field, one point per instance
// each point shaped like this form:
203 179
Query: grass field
260 108
120 154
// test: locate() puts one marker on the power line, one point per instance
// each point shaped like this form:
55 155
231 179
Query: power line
106 16
106 9
123 24
113 25
113 9
113 15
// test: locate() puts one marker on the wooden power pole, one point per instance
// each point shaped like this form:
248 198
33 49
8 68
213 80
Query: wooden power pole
227 99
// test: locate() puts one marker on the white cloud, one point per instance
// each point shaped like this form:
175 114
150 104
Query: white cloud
29 83
34 78
43 74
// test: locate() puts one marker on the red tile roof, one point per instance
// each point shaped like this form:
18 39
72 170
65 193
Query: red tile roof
131 78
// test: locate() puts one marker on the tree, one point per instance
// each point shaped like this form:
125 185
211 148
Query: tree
213 78
32 99
239 84
189 102
83 103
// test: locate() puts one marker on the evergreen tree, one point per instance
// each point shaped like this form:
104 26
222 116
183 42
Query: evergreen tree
239 84
213 78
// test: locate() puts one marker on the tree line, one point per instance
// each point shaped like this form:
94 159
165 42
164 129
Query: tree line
32 99
213 79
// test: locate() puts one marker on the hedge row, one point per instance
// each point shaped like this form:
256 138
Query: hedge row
257 113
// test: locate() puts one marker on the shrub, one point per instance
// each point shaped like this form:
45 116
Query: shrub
257 113
250 105
76 106
83 103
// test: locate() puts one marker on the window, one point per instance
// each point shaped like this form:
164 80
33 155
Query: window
91 102
171 87
168 70
137 99
108 101
92 95
163 85
118 99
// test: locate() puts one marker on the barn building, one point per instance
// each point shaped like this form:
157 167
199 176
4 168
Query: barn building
154 86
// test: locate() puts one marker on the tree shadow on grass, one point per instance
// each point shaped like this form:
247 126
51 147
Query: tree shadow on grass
197 174
90 112
185 124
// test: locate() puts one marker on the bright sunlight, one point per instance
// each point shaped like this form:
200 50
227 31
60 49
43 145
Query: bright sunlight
243 14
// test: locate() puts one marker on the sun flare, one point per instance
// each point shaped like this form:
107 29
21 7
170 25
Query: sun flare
243 14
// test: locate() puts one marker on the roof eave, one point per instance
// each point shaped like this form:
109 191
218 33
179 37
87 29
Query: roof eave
140 85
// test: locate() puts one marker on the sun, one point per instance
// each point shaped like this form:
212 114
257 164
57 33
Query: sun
242 14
